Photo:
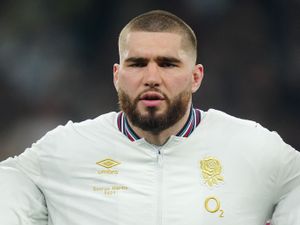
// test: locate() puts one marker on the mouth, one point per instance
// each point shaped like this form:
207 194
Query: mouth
151 99
152 95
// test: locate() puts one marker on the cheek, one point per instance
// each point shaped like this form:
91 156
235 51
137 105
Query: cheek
188 82
179 85
128 84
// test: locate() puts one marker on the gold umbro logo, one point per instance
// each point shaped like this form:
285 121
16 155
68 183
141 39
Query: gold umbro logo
108 163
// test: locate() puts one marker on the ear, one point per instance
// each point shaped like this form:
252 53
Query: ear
198 74
116 75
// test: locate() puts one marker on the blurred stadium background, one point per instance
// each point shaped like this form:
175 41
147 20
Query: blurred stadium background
56 61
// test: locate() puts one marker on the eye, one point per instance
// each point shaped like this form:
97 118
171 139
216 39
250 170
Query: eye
141 64
167 64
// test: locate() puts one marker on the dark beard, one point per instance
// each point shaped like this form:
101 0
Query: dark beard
152 122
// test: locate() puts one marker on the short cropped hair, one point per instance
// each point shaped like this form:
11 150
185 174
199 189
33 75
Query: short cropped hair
161 21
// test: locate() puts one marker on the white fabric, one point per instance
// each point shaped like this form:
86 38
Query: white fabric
20 200
288 211
258 172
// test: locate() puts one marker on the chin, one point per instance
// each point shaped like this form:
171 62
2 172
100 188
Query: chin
152 111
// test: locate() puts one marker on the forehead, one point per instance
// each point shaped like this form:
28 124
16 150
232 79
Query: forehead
147 44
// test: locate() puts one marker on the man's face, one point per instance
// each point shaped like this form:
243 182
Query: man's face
155 79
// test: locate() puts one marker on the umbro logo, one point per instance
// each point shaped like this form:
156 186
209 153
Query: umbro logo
108 164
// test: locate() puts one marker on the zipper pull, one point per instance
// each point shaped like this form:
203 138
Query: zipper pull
159 157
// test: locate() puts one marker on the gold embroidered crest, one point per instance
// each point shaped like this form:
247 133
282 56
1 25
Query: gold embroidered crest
211 171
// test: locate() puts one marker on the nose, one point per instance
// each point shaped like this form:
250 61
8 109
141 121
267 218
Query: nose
152 76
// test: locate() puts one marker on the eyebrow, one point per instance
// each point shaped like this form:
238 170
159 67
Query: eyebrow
168 59
136 60
157 59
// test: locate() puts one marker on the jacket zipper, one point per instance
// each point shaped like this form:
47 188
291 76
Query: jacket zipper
159 186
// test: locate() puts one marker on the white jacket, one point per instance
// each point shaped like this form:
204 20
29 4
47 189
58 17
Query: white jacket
228 171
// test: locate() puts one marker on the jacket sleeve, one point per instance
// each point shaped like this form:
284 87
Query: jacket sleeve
287 210
21 202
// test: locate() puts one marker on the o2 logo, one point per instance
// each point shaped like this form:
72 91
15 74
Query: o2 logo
213 205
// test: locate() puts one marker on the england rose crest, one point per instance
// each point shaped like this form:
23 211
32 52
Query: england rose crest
211 171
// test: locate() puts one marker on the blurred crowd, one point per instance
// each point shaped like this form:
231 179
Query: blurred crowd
56 62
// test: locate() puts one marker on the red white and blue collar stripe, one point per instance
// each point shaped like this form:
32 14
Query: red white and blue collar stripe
190 125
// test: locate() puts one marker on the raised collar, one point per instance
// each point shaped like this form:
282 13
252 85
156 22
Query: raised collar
188 128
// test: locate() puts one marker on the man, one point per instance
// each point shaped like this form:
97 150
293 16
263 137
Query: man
159 160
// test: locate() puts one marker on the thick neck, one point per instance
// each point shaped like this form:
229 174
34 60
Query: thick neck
162 137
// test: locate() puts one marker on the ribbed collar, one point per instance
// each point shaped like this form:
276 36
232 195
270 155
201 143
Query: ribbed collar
188 128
